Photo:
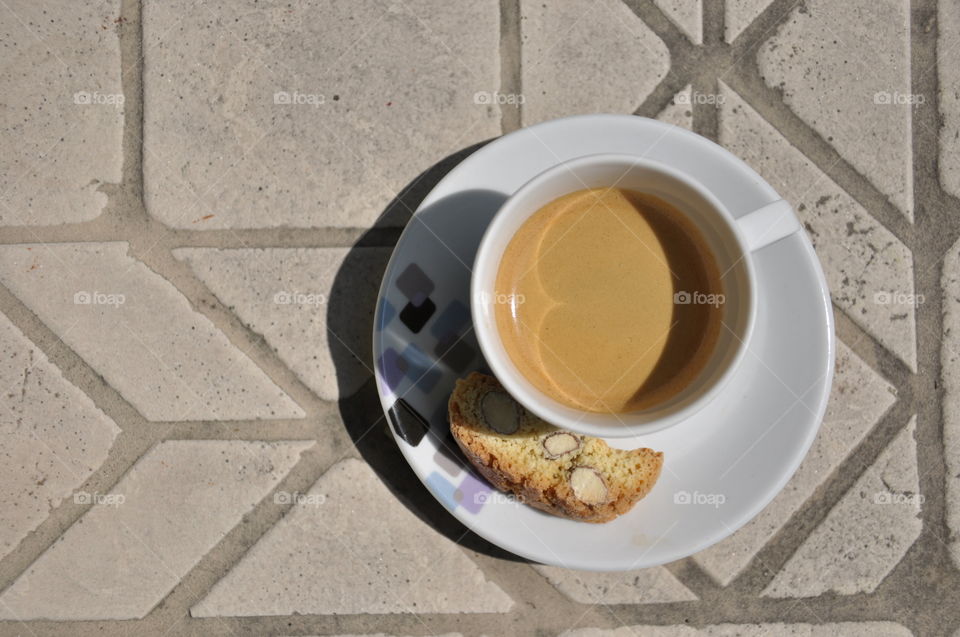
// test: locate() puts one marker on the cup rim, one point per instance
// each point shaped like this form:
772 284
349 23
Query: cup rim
543 405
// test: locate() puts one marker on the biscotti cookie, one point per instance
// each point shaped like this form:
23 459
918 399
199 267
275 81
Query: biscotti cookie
564 473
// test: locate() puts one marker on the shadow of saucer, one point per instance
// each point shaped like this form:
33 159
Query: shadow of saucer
350 312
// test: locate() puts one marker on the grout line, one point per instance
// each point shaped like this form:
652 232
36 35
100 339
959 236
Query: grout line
229 550
775 553
511 60
768 102
686 59
662 95
865 345
109 228
655 19
938 229
706 117
127 195
714 22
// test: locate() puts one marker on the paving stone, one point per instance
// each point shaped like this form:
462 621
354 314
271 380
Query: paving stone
303 114
680 110
52 436
858 398
869 271
687 15
950 361
738 14
844 68
140 333
61 110
348 546
948 58
646 586
867 532
136 543
569 50
288 296
844 629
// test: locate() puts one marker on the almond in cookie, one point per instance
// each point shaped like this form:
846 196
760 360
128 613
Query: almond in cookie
564 473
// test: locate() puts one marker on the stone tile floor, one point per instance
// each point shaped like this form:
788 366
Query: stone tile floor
183 451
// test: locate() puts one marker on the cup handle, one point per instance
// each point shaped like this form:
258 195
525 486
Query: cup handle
770 223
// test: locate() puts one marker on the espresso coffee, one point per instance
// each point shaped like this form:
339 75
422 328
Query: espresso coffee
609 300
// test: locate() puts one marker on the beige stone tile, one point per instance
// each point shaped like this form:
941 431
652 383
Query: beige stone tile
264 115
586 56
137 541
349 547
140 333
61 109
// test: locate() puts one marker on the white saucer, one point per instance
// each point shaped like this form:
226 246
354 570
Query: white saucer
721 466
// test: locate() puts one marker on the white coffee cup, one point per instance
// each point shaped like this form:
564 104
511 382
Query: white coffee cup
731 240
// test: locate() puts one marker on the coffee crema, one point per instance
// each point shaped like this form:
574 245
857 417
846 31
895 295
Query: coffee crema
609 300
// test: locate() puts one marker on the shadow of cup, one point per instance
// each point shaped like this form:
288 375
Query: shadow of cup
350 312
